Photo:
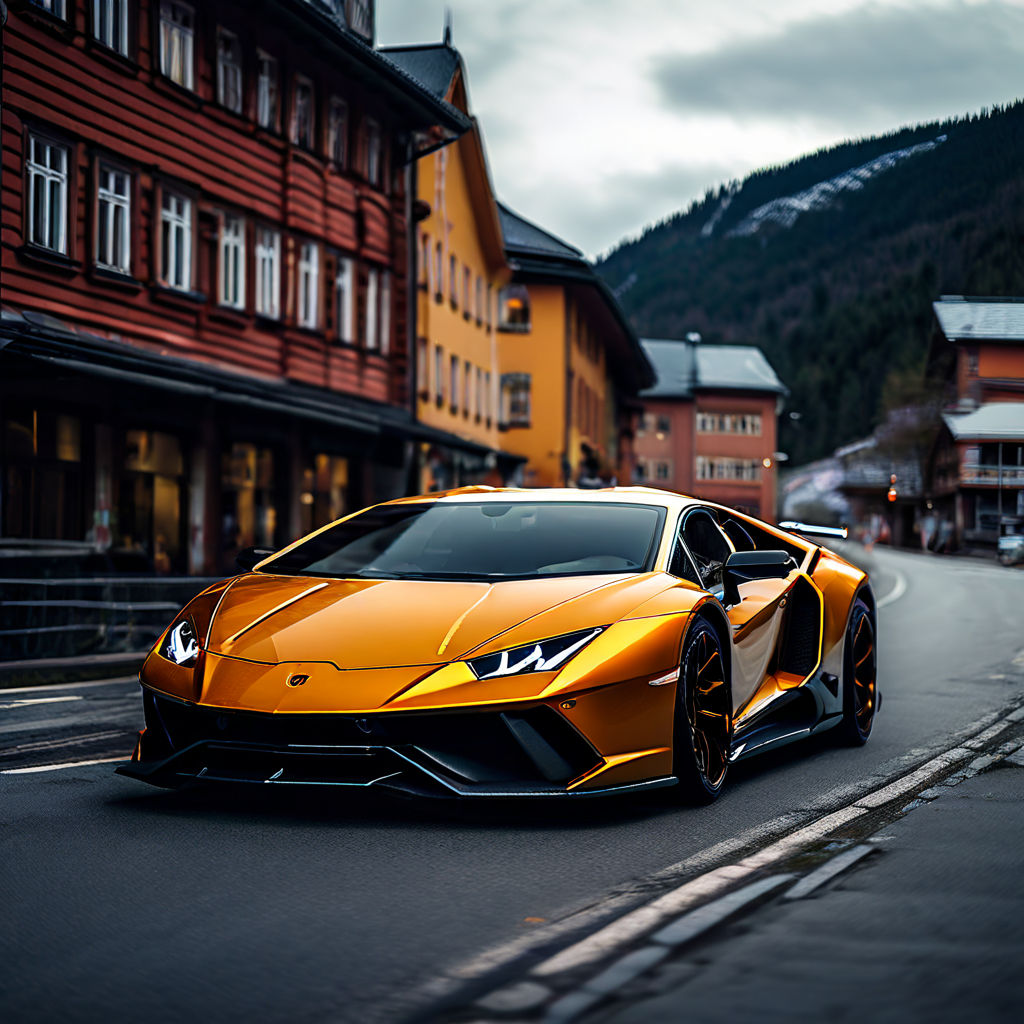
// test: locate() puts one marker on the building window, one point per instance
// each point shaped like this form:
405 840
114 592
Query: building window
972 360
113 220
110 24
58 8
309 279
467 295
489 311
268 273
479 300
372 298
47 170
266 91
453 281
385 313
453 384
438 271
302 113
229 71
373 152
747 423
467 387
344 290
487 397
724 468
176 242
423 367
515 399
423 270
337 131
663 470
514 308
439 375
232 262
479 394
177 43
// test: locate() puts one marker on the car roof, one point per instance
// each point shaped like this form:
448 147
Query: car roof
604 495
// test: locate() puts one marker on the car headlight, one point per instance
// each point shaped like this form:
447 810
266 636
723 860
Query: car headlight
181 645
545 656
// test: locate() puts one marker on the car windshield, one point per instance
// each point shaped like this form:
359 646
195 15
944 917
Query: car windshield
481 541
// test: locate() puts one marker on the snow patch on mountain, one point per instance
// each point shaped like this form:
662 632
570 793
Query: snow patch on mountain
785 210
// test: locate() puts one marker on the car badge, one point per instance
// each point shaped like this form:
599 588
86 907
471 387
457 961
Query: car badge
297 680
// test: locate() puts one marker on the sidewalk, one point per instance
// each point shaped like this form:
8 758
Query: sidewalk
931 928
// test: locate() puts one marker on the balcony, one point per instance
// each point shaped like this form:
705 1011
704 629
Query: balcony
976 474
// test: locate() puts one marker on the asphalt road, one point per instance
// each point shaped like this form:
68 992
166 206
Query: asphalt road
122 903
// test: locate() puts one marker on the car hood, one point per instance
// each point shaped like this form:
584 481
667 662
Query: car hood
362 624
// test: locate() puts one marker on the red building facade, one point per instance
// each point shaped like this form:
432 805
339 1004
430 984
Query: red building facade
205 272
709 424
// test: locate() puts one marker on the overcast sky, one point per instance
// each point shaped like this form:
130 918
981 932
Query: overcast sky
600 117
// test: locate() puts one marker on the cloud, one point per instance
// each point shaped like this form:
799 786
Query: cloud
620 204
852 69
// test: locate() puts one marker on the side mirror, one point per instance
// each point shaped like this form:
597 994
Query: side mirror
743 566
249 557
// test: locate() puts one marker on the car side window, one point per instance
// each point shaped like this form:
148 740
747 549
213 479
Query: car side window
707 545
680 564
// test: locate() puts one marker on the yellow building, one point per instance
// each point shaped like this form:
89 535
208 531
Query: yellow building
461 269
571 367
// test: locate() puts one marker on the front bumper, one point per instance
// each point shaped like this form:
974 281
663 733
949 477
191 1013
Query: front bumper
512 752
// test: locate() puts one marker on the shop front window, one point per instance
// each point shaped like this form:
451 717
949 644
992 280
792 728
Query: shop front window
324 496
149 503
248 509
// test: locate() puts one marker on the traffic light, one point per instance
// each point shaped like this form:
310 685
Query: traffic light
892 487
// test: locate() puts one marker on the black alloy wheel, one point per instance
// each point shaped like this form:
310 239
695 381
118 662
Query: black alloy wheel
860 675
703 730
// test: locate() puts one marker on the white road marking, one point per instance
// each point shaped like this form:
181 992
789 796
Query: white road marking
69 686
897 591
59 767
36 700
829 870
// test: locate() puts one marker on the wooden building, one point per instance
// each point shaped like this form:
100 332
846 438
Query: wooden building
206 272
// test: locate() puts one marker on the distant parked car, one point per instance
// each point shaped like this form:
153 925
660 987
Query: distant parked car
1011 549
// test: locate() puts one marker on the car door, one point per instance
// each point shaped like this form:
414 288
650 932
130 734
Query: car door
755 620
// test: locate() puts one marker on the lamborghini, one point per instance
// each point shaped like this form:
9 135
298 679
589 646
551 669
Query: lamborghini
497 642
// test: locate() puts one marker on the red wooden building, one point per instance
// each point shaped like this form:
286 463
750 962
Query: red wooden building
205 272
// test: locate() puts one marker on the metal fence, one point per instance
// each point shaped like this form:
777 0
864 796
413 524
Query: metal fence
53 618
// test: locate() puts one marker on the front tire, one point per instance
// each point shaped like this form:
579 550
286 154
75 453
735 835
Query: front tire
703 726
860 675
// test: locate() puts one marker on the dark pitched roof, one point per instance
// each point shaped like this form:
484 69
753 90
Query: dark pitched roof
992 319
433 65
524 238
683 367
674 367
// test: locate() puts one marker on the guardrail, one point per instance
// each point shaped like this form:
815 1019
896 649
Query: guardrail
52 618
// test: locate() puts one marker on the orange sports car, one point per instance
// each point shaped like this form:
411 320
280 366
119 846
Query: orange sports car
500 642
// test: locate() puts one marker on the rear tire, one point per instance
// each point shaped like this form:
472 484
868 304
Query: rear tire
860 675
703 721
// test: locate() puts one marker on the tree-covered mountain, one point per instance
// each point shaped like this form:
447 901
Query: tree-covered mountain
830 263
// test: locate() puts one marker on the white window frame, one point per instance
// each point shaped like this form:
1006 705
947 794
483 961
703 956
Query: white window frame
232 261
268 273
337 131
48 190
56 8
177 43
114 219
110 24
385 313
344 290
229 71
267 96
370 339
373 152
308 304
176 241
303 84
